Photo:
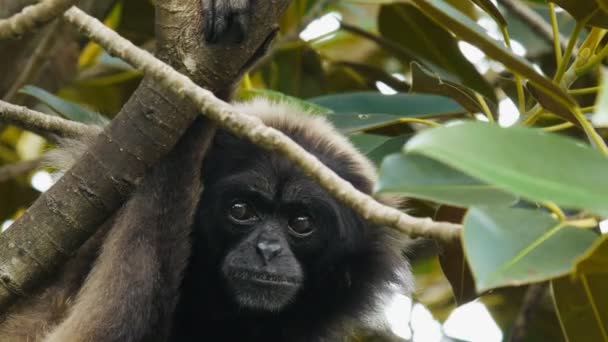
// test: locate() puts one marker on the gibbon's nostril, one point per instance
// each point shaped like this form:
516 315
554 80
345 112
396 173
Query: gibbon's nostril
268 249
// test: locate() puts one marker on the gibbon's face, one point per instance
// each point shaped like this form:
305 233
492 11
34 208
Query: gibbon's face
275 233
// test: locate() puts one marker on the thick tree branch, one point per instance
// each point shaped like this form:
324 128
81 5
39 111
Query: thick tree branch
33 16
253 129
45 125
144 131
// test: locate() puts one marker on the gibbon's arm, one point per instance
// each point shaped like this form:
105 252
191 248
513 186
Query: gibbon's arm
133 286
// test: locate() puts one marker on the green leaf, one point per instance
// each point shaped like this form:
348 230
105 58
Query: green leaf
275 96
431 45
582 307
581 9
467 30
491 9
376 147
67 109
402 105
452 259
537 165
352 123
425 81
425 178
506 246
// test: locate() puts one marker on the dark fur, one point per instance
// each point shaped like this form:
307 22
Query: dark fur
131 292
345 268
153 271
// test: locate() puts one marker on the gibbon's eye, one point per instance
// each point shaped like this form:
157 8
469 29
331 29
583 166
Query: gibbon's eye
241 212
301 225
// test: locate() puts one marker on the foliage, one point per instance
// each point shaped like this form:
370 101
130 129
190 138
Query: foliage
531 177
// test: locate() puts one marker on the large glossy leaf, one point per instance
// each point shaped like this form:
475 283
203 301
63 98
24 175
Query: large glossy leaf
581 306
506 246
411 105
67 109
376 147
425 81
467 30
421 177
538 165
352 123
431 45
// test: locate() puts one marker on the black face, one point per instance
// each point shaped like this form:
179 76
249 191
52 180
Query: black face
278 240
270 229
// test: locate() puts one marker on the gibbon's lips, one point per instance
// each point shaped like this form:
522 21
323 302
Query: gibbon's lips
264 278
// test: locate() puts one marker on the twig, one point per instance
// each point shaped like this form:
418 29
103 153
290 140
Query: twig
253 129
13 170
36 62
537 23
32 17
46 125
529 307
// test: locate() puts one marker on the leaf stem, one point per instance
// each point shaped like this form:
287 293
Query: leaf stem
419 121
585 91
485 107
555 209
521 96
561 69
557 46
592 134
559 127
583 223
593 61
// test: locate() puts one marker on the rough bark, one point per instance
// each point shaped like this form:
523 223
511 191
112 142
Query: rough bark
146 129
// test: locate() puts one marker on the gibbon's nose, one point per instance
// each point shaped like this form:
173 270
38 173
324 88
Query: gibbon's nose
269 249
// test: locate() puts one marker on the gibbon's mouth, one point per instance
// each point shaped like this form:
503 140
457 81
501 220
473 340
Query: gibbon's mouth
265 278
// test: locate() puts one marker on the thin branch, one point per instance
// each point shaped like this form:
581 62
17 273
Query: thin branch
32 17
36 62
46 125
253 129
14 170
537 23
529 307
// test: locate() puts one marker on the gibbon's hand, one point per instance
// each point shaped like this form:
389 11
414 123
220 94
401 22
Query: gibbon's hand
226 21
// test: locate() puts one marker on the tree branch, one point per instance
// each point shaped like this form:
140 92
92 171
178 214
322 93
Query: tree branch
145 130
253 129
45 125
532 298
32 17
